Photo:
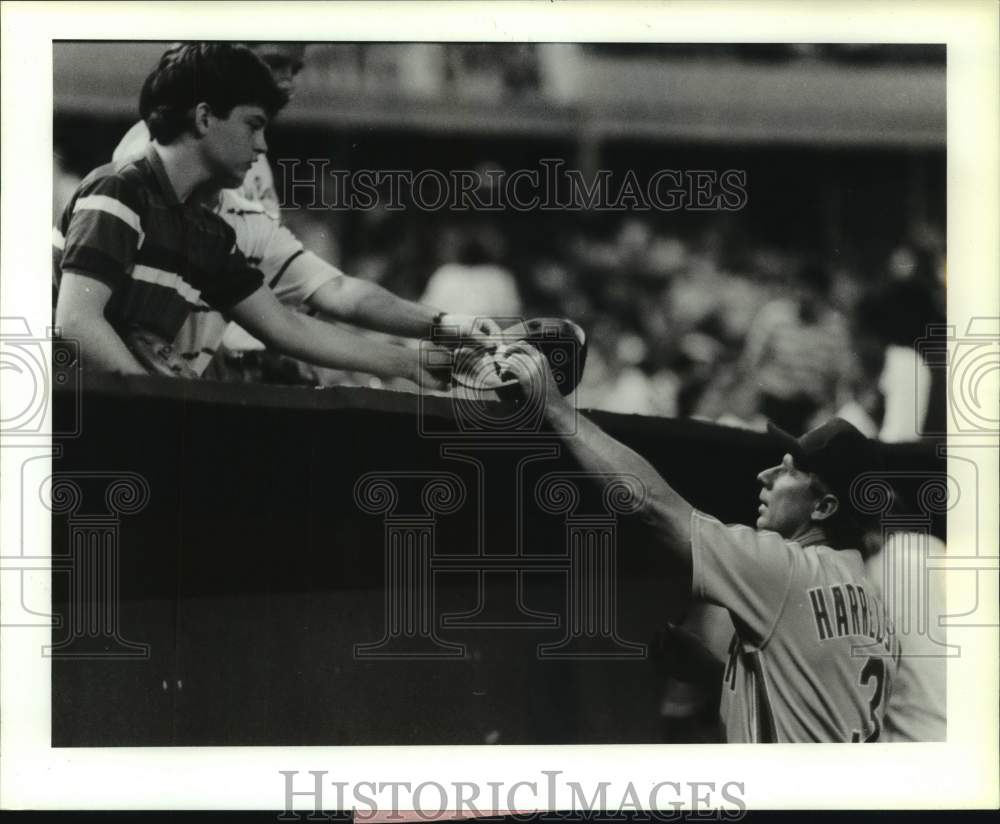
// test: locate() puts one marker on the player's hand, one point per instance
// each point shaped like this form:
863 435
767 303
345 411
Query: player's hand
471 327
530 368
432 367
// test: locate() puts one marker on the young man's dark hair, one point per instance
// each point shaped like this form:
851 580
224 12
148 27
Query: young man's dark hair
222 75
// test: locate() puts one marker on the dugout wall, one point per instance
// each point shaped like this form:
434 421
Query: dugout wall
252 565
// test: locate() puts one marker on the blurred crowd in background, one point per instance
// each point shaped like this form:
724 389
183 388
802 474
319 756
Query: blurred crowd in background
707 325
787 312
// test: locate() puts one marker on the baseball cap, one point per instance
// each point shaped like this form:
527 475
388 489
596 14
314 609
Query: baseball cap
835 451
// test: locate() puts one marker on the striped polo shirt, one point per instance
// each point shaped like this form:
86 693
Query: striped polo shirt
161 258
254 213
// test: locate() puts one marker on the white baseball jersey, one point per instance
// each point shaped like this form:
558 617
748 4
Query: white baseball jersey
813 657
253 212
915 599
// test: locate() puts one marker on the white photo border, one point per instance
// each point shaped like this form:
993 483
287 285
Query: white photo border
959 774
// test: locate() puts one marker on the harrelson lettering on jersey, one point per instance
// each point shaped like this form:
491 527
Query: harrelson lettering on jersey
853 614
828 679
813 658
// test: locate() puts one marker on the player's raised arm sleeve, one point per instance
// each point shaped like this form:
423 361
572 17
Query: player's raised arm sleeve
747 571
103 230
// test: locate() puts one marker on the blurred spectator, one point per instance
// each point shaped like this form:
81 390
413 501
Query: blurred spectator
905 386
890 321
475 283
623 380
519 65
797 353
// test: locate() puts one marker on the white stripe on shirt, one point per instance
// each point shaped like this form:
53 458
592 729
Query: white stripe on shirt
172 281
103 203
57 239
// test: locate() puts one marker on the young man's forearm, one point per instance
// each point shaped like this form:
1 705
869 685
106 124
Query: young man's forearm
80 317
665 513
369 305
101 348
326 345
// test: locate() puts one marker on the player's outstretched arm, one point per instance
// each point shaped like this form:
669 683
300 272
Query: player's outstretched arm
80 317
371 306
666 515
320 343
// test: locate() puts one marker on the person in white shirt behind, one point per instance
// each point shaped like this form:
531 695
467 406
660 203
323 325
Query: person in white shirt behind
475 283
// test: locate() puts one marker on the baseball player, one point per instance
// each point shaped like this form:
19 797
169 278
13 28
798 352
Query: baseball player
813 658
297 276
917 708
140 252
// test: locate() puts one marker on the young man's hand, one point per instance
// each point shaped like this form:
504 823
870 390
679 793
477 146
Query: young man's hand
432 367
472 327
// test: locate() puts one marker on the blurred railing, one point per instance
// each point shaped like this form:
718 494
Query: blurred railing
565 89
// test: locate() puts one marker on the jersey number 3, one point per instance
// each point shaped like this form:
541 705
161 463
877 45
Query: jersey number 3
873 668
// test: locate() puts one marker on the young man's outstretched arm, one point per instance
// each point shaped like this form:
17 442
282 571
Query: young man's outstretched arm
320 343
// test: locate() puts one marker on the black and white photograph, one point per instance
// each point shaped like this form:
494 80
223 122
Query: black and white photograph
394 399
